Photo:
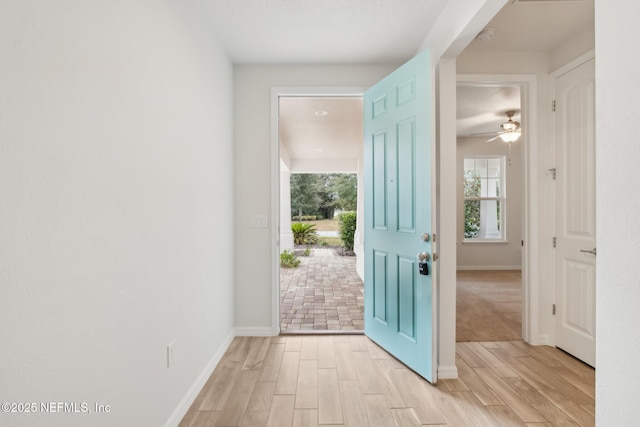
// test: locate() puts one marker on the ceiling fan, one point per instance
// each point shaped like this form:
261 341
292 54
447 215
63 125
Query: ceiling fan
510 130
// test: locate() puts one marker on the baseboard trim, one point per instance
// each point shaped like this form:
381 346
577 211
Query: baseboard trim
447 372
186 402
259 331
488 267
542 339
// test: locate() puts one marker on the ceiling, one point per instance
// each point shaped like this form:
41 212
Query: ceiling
306 132
536 25
322 32
342 32
482 109
524 25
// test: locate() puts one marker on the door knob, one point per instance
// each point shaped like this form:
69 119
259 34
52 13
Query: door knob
592 251
423 256
425 237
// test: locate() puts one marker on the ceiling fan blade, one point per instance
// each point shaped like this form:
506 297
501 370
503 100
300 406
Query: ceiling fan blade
495 137
484 133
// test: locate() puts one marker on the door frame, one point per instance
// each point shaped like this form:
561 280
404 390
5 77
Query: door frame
528 84
276 93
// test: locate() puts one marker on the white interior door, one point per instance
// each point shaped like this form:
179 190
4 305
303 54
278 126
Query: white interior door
575 212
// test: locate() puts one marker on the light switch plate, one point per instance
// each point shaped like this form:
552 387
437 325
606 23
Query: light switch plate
258 221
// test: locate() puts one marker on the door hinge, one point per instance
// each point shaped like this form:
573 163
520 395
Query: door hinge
553 309
433 237
554 242
553 105
553 172
522 243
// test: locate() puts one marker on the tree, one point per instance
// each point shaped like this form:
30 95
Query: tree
471 207
321 194
346 188
304 194
326 195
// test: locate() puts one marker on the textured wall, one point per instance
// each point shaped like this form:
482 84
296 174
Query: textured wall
115 170
618 274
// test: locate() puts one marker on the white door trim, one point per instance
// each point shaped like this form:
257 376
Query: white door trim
276 93
528 84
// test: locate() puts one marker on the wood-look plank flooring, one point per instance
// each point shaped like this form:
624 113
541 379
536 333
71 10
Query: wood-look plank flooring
348 380
488 305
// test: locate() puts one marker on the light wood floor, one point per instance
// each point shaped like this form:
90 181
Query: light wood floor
488 305
348 380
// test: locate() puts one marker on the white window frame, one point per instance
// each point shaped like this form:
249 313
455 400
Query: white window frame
502 199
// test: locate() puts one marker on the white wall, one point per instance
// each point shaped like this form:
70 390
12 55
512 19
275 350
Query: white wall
618 271
252 86
485 256
582 42
115 170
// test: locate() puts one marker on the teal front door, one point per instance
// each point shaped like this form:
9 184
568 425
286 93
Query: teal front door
398 155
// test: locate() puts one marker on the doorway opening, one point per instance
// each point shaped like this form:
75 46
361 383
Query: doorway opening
491 218
320 158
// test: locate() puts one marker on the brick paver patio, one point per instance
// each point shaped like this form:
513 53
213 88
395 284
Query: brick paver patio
324 293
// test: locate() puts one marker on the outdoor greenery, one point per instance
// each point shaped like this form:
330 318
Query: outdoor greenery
348 229
320 195
304 233
472 203
471 207
304 217
288 259
330 241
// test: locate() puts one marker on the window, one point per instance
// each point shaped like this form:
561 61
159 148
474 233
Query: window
484 198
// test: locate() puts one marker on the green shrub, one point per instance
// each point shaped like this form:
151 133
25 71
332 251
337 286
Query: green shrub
288 259
304 234
347 229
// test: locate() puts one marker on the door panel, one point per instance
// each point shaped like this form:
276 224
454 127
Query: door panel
398 205
575 212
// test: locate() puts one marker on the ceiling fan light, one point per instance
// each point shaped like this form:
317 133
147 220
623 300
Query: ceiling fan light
510 136
509 126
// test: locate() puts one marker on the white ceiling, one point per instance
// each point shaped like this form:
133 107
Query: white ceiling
375 31
378 31
336 135
521 25
536 25
323 31
483 109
